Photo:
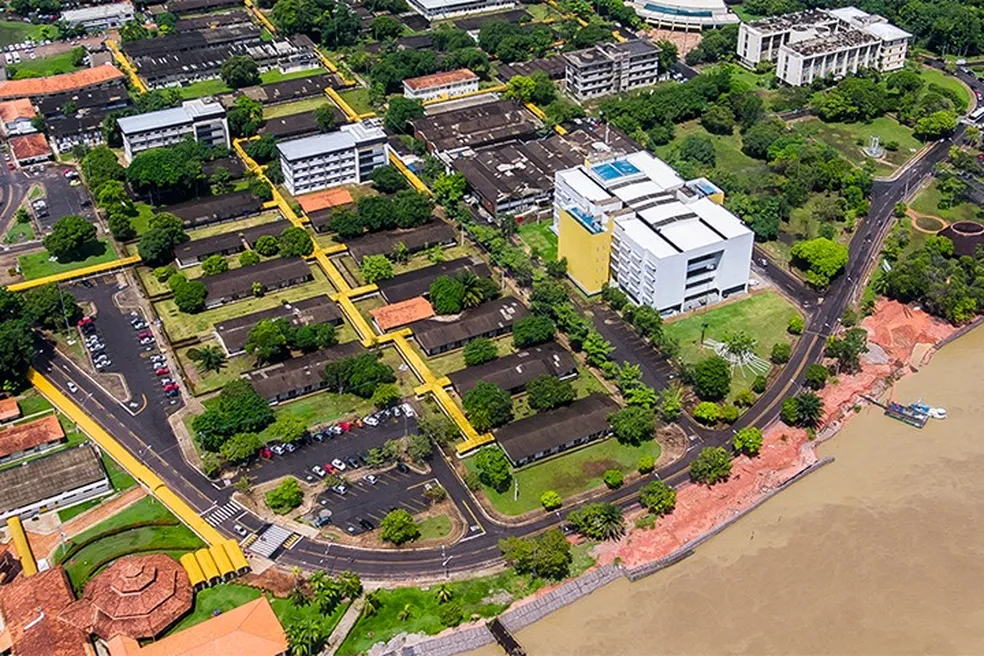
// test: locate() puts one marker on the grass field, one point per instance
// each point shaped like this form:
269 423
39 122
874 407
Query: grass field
567 474
486 597
203 383
286 109
38 265
447 363
420 260
358 99
141 222
844 138
44 67
543 12
32 402
585 384
180 325
927 202
235 226
934 76
727 151
118 478
321 408
18 233
541 237
435 527
17 32
276 76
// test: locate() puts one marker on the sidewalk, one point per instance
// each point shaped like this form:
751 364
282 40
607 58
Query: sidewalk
343 627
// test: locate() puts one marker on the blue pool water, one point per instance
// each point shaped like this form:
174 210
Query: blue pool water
615 169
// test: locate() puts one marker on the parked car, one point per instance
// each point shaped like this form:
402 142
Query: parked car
330 468
146 340
402 468
240 530
338 464
140 325
278 449
366 524
370 420
266 453
172 393
290 448
320 471
167 381
103 364
145 334
84 321
318 436
163 371
352 462
344 426
408 410
341 488
370 479
171 388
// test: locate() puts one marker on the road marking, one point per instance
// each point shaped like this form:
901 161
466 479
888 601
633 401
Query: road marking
224 513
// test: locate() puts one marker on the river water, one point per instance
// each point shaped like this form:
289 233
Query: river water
881 552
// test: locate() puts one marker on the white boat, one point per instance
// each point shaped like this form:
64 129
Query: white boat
937 413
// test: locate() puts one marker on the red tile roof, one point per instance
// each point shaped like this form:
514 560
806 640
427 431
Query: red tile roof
15 109
30 608
46 86
137 596
402 313
323 200
9 409
29 146
440 79
29 435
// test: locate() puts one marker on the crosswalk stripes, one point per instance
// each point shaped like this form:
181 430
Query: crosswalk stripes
223 513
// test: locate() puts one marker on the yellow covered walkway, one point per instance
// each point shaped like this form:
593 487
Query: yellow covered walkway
75 273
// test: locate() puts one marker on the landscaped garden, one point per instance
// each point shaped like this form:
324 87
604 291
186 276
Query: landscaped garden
218 86
849 139
39 265
929 199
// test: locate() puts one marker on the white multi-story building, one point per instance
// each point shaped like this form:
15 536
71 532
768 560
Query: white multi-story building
100 17
816 43
434 10
684 14
611 68
446 84
347 156
202 119
631 221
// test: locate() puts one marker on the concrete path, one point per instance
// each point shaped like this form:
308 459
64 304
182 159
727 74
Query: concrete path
343 627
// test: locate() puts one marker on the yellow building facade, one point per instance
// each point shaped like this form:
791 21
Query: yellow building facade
588 249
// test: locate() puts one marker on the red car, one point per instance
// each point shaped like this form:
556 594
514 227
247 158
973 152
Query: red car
330 468
266 453
170 387
163 371
10 165
145 334
84 321
345 426
67 172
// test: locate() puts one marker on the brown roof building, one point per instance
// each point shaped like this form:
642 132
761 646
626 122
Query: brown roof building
31 623
234 284
490 319
227 243
476 126
403 313
417 283
301 375
250 630
9 410
59 480
37 87
415 239
137 596
327 199
216 209
513 372
30 148
553 431
30 437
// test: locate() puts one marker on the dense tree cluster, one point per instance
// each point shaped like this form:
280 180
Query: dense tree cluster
452 294
510 42
271 340
157 245
406 209
821 259
712 465
479 351
547 555
487 406
503 252
359 375
716 44
239 409
328 22
70 238
598 521
548 392
493 468
44 307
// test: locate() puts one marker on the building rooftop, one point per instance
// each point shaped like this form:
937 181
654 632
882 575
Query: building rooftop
513 372
555 66
199 6
49 476
271 274
441 79
325 200
202 211
342 139
30 434
44 86
292 126
786 22
14 109
186 113
227 240
317 309
300 372
9 409
402 313
288 90
93 13
834 41
415 239
478 22
137 597
554 428
249 630
29 146
417 283
30 609
212 20
439 332
477 125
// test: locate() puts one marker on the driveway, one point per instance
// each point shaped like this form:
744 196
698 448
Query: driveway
62 198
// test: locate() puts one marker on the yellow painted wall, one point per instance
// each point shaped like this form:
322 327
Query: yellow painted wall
587 254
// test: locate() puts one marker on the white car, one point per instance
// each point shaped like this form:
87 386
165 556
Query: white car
370 479
278 449
72 387
319 470
338 464
408 410
370 420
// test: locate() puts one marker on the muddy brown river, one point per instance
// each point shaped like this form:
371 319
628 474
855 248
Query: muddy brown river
881 552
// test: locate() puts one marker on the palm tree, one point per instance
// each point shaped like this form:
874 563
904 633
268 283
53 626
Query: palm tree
327 594
208 358
473 296
371 604
435 254
444 593
810 408
304 636
404 614
351 584
608 522
400 254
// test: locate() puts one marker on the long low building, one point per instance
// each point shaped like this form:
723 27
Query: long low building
301 375
684 14
490 319
515 371
30 438
57 481
418 282
434 10
476 126
445 84
553 431
39 87
233 333
216 209
100 17
417 239
193 252
235 284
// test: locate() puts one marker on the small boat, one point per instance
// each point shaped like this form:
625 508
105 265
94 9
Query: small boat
933 413
921 407
937 413
907 414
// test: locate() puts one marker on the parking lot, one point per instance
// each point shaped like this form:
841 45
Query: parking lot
365 504
62 199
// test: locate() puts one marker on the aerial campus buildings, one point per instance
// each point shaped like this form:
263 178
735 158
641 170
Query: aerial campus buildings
610 68
202 119
346 156
684 14
434 10
817 43
632 222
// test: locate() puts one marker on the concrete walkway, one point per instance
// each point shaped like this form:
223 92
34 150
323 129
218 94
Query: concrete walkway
343 627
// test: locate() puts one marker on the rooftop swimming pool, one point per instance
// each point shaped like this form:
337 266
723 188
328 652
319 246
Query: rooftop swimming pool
615 169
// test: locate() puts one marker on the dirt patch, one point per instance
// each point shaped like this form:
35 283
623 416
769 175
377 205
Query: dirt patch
673 441
684 41
597 468
274 581
926 223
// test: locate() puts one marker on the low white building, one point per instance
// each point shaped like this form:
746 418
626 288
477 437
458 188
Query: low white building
817 43
445 84
632 222
203 119
100 17
684 14
346 156
610 68
434 10
52 482
17 117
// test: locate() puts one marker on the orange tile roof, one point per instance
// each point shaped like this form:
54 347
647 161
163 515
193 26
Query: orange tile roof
30 608
440 79
15 109
28 146
29 435
46 86
250 630
9 409
137 596
323 200
402 313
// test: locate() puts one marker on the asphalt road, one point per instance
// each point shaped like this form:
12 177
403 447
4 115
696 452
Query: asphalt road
62 198
13 190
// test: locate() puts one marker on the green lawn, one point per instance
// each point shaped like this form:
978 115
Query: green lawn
210 381
435 527
321 408
567 474
420 260
447 363
541 237
763 316
234 226
32 402
543 12
38 265
844 138
727 151
17 32
78 509
55 65
927 202
934 76
120 480
358 99
180 325
204 88
477 596
286 109
19 232
276 76
141 222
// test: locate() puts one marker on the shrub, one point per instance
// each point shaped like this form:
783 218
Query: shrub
816 376
285 497
480 351
759 384
744 399
613 479
712 465
795 325
646 464
729 413
748 441
450 614
550 500
658 497
712 378
781 352
707 413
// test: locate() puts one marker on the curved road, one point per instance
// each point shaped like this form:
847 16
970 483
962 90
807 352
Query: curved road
144 436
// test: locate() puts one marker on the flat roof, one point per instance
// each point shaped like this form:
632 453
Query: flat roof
270 273
655 169
418 282
514 371
49 476
554 428
318 144
583 185
477 125
489 317
185 113
786 22
643 235
887 31
99 11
